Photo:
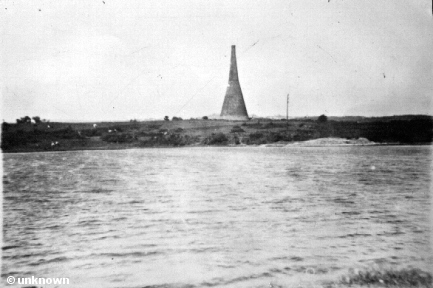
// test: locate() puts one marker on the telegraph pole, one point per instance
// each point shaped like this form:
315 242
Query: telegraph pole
287 113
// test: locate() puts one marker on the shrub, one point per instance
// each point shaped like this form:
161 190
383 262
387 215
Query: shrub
256 138
176 118
205 118
256 135
216 139
25 119
322 119
236 140
166 118
66 133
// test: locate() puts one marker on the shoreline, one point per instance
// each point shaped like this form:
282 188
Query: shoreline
270 145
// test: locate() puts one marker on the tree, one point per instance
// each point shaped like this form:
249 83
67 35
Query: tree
205 118
322 119
25 119
166 118
37 119
5 125
176 118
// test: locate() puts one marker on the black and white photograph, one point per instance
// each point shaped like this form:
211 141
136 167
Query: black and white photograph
217 143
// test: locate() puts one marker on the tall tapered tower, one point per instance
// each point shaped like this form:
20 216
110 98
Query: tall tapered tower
234 104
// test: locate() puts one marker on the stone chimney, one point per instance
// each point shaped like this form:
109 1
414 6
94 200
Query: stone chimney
234 105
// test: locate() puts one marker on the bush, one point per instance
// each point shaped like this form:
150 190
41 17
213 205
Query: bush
66 133
216 139
176 118
25 119
256 138
322 119
166 118
205 118
256 135
236 140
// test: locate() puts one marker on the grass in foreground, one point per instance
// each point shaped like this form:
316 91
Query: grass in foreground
386 278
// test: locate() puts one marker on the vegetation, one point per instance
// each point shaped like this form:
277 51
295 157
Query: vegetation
118 138
216 139
237 129
387 278
322 119
258 138
40 136
25 119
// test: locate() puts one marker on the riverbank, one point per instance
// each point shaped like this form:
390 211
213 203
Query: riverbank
56 136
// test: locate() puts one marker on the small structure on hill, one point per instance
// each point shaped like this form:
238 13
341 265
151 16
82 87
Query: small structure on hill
234 105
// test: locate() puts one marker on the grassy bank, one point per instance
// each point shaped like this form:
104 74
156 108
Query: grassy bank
27 137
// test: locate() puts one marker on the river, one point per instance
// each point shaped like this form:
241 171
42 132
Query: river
215 217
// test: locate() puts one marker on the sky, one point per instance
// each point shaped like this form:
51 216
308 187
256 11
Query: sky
120 60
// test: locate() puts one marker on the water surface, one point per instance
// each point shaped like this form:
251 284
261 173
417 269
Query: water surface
223 217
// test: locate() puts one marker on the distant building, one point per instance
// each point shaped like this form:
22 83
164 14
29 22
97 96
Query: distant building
234 105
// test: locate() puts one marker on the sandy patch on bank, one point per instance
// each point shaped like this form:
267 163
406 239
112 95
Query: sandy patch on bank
326 142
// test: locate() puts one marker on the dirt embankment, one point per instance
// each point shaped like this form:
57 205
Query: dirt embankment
336 142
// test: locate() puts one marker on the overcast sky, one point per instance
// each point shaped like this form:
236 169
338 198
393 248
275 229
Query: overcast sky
119 60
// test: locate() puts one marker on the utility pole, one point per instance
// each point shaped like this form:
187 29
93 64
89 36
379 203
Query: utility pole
287 110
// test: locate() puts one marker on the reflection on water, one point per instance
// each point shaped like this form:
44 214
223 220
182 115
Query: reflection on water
233 217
